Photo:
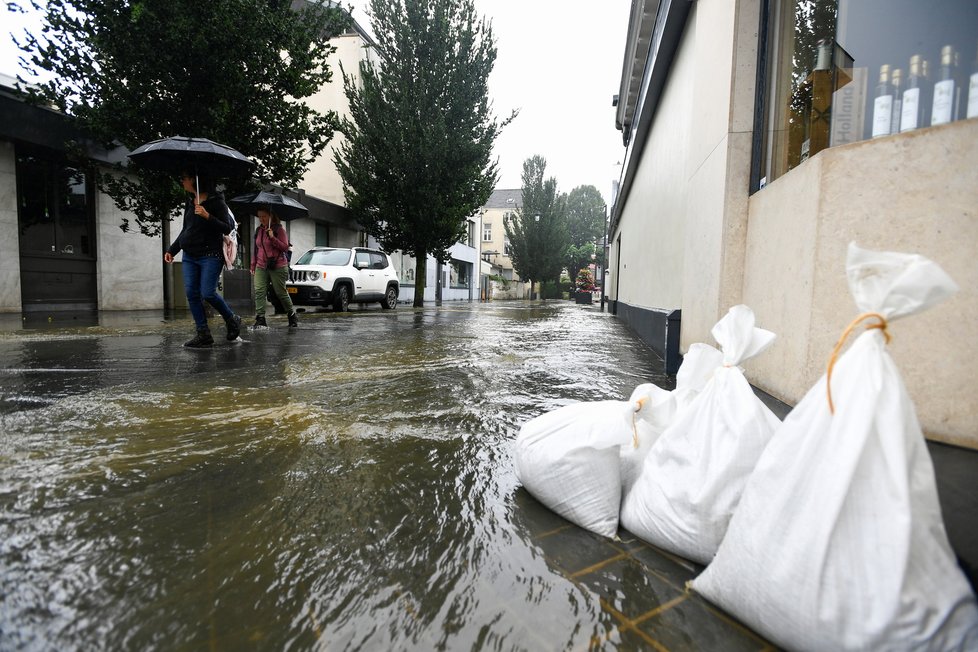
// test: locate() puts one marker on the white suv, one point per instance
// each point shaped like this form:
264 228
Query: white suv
334 276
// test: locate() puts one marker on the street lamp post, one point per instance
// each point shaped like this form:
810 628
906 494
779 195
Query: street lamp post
605 256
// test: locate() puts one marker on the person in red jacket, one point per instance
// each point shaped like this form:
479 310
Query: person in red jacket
269 265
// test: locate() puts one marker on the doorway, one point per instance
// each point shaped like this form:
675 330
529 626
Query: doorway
56 230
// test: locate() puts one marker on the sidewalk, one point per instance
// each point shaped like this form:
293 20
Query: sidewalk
641 588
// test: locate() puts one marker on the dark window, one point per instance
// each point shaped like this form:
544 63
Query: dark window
54 208
322 235
842 71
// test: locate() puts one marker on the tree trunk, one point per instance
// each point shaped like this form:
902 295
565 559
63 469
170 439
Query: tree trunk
420 277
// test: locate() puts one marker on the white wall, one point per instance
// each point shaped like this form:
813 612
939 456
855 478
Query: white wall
321 179
652 224
10 299
128 265
302 235
724 73
915 192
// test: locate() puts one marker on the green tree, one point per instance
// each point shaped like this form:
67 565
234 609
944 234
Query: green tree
538 231
416 161
132 71
585 227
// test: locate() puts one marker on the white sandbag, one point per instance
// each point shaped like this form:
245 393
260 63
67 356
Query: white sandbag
655 415
695 372
695 472
568 459
660 407
838 542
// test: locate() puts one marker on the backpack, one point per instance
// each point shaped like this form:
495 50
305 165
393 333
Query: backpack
230 246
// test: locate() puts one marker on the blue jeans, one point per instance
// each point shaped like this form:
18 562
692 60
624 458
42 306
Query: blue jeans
200 274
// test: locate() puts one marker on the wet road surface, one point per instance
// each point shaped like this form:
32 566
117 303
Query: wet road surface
345 486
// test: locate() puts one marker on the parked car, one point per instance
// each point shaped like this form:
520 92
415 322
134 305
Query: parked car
334 276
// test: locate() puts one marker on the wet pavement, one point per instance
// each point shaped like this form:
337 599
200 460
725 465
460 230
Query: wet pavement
345 486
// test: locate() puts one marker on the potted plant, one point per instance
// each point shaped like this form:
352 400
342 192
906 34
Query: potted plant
584 286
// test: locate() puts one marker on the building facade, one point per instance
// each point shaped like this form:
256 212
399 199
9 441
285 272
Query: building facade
499 209
330 223
762 136
72 255
69 252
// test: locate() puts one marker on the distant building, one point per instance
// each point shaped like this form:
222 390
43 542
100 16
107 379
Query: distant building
496 255
499 209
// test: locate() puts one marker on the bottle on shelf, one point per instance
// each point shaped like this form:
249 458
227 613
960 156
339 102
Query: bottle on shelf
821 81
926 91
896 81
944 107
973 91
912 113
883 104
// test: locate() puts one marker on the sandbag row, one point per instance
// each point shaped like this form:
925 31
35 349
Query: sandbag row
822 532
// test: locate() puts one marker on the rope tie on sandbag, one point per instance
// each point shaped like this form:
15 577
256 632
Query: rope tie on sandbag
640 403
880 324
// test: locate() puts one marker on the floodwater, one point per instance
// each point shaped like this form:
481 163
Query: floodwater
345 486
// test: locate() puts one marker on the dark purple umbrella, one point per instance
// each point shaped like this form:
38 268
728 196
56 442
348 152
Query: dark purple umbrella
285 207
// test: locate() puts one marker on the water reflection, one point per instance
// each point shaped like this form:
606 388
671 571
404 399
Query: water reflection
347 486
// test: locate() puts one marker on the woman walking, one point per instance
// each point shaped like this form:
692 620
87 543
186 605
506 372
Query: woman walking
270 266
205 223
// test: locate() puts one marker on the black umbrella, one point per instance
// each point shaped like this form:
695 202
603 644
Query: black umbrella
285 207
194 155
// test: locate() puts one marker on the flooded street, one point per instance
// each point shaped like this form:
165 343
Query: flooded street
346 486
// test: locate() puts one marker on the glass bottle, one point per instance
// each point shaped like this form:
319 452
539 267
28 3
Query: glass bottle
926 92
973 90
896 80
883 104
944 107
912 111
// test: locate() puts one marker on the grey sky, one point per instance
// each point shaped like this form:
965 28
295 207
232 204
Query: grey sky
559 63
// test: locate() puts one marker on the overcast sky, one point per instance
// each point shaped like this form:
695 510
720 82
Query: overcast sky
559 63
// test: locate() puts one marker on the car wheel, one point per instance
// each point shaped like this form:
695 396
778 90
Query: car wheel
390 299
342 301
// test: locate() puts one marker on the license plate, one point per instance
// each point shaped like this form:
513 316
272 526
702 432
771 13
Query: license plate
292 290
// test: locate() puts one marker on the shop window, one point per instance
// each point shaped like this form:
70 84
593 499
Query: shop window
404 265
459 274
841 71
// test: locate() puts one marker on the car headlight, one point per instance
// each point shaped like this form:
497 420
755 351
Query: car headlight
314 276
